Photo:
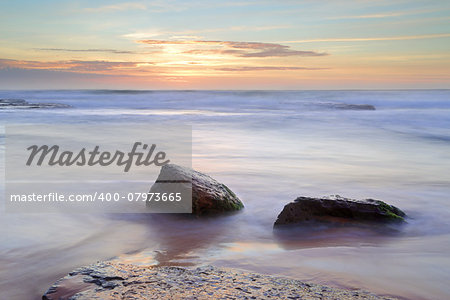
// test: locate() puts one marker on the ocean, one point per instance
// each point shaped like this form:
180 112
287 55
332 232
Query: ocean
269 147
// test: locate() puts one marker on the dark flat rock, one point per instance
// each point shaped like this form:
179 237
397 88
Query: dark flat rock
344 106
22 104
208 195
354 106
338 210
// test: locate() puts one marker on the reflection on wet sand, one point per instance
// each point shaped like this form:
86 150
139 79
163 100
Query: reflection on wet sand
176 239
185 240
302 237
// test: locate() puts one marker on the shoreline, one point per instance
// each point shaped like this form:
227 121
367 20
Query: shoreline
111 280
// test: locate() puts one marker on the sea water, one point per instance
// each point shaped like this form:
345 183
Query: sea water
269 147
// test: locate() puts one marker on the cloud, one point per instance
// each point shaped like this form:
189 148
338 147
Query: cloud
86 50
365 39
117 7
253 28
76 65
264 68
370 16
152 6
214 52
185 37
194 33
241 49
143 35
167 5
384 15
69 65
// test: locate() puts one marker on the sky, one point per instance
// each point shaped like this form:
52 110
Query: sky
274 45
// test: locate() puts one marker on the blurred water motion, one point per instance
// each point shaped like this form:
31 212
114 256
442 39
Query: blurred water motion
269 148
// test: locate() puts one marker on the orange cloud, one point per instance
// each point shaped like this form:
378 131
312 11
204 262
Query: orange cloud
265 68
241 49
114 51
70 65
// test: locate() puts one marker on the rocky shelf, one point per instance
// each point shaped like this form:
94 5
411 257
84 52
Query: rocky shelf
22 104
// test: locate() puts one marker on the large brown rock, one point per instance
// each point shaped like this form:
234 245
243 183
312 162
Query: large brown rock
208 195
338 209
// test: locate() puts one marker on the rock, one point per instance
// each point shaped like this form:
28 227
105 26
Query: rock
338 209
22 104
354 106
208 195
344 106
12 102
112 280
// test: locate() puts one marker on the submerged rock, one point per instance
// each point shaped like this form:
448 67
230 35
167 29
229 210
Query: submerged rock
354 106
22 104
12 102
338 209
109 280
345 106
208 195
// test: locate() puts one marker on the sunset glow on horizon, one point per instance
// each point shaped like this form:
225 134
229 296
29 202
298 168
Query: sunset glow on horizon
225 45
